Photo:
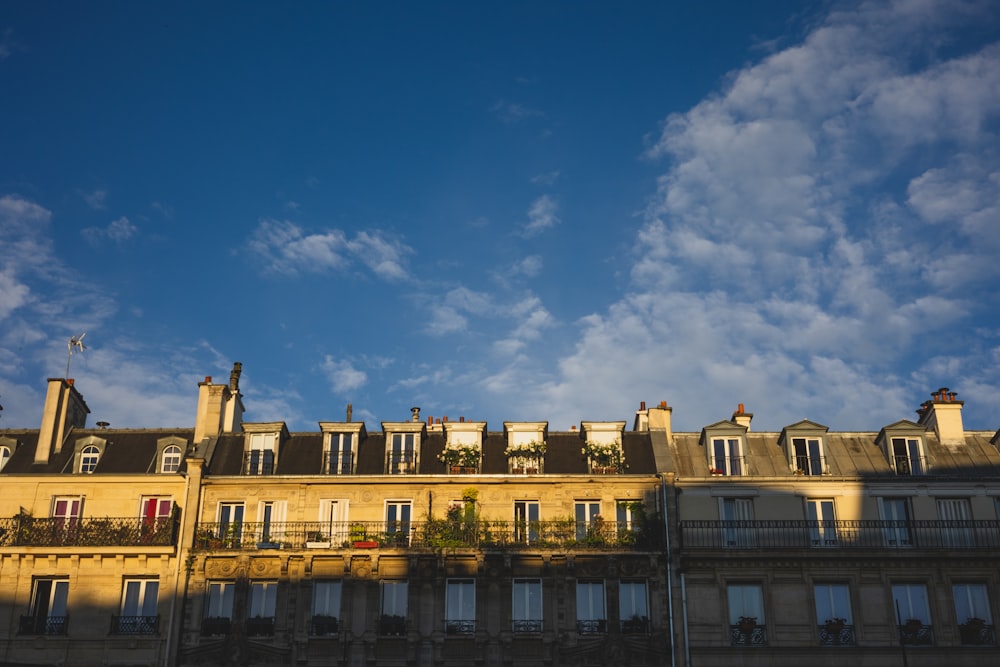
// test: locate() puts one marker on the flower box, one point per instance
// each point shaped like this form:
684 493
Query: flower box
318 545
365 544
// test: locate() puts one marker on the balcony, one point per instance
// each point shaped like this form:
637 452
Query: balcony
636 625
593 626
338 463
324 626
214 626
916 633
258 462
836 633
27 531
837 535
392 626
43 625
260 626
460 627
135 625
430 535
977 632
526 626
401 464
747 634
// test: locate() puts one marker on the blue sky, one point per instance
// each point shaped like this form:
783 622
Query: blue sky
502 211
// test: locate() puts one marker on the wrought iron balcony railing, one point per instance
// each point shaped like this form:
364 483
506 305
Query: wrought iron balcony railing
135 625
260 626
635 626
43 625
215 626
810 465
258 462
434 534
977 632
861 534
324 626
592 626
401 464
392 626
460 627
836 634
27 531
916 634
523 627
742 634
338 463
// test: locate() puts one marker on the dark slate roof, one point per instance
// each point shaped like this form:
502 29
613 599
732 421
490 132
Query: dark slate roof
131 451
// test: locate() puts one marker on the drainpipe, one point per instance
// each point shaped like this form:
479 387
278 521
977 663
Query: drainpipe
670 587
177 574
684 608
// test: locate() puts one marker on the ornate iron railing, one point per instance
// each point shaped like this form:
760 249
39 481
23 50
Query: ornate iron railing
216 625
338 463
135 625
434 534
748 635
43 625
860 534
592 626
460 627
324 626
28 531
916 634
836 634
392 626
401 464
260 626
635 626
976 633
533 626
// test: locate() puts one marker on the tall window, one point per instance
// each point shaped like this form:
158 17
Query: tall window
591 617
526 606
171 459
397 521
822 522
807 455
261 454
263 600
393 620
896 521
727 456
402 454
231 523
627 514
138 608
218 608
738 528
587 512
48 608
972 611
460 607
339 454
89 457
907 457
67 510
833 614
912 606
333 521
956 531
4 456
633 607
325 607
746 615
271 520
526 520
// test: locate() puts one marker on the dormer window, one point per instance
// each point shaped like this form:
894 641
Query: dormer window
463 449
603 446
725 448
169 454
88 454
525 447
262 443
803 446
340 446
4 456
402 444
171 461
903 445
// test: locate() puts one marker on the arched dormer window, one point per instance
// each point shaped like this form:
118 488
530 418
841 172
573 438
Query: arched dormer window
171 460
87 454
4 456
89 457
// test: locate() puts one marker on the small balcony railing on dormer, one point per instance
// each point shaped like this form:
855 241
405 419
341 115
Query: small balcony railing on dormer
909 465
258 462
401 463
338 463
28 531
834 535
809 465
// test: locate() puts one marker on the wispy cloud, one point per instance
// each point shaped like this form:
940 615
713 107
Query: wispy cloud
119 230
287 249
547 178
541 216
96 200
342 375
511 112
7 44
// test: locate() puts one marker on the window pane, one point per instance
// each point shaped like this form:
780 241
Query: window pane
912 601
527 600
394 598
590 601
745 600
971 601
632 600
833 601
326 598
461 600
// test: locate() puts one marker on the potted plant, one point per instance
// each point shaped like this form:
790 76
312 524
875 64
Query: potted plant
716 472
316 540
463 459
747 624
525 457
834 626
605 458
971 631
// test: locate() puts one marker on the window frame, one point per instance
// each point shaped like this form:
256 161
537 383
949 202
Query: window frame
393 597
258 445
722 458
634 618
589 619
327 596
524 617
735 513
230 518
402 459
527 522
896 531
171 458
398 521
460 606
913 450
144 618
915 624
6 452
218 612
822 523
45 606
339 459
812 460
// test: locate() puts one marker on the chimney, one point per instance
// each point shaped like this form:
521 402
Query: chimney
64 409
416 414
641 418
220 406
742 417
943 413
660 419
350 412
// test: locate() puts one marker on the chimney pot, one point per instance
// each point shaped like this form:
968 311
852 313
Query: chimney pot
208 379
430 420
103 426
415 411
461 420
663 404
739 409
445 419
642 405
350 412
70 381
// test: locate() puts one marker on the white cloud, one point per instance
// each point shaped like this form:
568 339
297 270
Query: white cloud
13 294
96 200
342 375
511 112
546 178
119 230
541 216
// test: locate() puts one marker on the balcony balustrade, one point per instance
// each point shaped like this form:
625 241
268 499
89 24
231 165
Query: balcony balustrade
525 627
43 625
742 634
27 531
592 626
460 627
338 463
836 634
915 633
431 535
135 625
859 534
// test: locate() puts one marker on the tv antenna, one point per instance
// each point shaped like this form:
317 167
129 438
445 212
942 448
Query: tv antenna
74 345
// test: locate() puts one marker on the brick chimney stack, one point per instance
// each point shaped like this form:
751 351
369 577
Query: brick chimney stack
220 406
64 409
742 417
943 413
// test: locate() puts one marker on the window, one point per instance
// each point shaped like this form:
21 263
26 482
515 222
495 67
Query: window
48 608
67 511
218 608
906 456
526 606
956 515
526 520
393 620
397 522
833 614
263 599
156 512
271 521
325 608
4 456
738 528
333 521
231 523
913 613
746 615
822 523
588 519
591 618
138 608
402 454
896 521
460 607
807 456
171 459
633 607
89 457
972 611
628 515
260 457
339 455
727 456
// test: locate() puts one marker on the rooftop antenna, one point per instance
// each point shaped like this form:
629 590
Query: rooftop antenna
74 345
